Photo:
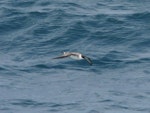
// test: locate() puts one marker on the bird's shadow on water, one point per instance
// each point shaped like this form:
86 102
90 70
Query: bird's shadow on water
78 65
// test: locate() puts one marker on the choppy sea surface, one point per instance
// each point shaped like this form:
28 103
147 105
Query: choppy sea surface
115 34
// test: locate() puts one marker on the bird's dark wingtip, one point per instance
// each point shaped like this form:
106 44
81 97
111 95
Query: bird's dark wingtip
88 60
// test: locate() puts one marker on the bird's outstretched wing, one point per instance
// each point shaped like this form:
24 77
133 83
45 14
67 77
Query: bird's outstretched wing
64 56
88 60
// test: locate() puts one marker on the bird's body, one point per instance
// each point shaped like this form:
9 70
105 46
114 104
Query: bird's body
75 55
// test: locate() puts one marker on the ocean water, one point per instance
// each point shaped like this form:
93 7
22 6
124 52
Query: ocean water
115 34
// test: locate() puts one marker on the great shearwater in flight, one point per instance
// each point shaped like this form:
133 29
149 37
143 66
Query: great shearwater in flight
75 55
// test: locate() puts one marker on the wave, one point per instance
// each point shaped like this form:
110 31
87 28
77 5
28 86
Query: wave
35 104
142 16
2 69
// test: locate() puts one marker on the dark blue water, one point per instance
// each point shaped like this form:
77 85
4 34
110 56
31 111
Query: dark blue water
115 34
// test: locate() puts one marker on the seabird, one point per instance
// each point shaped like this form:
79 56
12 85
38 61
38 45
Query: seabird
75 55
